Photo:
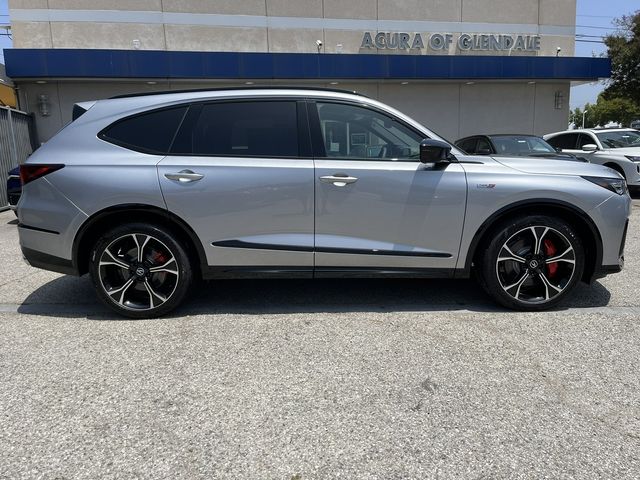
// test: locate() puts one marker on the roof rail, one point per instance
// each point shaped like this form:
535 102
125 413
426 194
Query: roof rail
222 89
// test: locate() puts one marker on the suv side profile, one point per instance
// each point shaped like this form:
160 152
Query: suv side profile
616 148
146 193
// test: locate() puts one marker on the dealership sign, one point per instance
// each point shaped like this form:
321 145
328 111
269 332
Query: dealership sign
442 41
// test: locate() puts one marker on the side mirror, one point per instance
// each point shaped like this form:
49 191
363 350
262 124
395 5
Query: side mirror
434 151
589 147
484 151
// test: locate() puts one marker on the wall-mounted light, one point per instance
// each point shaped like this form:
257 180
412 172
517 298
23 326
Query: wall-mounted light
44 107
558 101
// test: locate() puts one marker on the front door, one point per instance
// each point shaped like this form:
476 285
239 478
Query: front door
377 206
241 176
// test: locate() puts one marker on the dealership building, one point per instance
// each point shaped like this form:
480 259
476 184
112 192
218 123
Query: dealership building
461 67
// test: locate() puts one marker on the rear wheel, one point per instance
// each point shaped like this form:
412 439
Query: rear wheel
532 263
140 270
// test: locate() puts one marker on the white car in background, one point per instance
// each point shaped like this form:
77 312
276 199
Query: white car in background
616 148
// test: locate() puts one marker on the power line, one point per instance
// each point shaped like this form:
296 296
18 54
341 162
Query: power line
599 28
595 16
590 41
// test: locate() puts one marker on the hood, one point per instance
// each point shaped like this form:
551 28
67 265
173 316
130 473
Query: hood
547 167
553 156
635 151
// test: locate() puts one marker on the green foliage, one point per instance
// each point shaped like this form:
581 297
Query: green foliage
616 110
624 51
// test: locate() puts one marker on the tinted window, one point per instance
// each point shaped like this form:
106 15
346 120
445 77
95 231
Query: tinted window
566 141
468 145
484 147
354 132
245 129
150 132
585 140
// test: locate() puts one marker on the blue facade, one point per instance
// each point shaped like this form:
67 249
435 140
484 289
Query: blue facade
87 63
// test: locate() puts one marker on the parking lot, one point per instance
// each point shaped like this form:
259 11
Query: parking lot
318 379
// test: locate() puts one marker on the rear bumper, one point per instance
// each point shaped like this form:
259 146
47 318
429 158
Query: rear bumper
48 262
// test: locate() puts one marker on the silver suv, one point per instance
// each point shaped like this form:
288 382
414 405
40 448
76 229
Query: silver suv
616 148
147 193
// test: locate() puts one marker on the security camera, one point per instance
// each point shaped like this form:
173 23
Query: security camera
558 50
319 43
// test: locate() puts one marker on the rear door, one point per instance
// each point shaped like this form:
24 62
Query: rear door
240 173
377 206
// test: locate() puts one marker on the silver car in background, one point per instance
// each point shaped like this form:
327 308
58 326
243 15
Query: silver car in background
147 193
616 148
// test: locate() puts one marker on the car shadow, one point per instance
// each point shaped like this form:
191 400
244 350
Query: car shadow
68 296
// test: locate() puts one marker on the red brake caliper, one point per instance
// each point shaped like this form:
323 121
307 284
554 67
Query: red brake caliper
550 250
159 258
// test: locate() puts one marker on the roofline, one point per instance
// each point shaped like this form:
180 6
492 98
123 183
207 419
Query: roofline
239 88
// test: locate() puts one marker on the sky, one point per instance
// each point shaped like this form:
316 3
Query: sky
594 19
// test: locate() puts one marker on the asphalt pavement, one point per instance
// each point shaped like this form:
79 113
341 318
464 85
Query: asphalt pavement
294 380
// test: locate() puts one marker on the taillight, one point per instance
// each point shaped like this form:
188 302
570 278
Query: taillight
30 172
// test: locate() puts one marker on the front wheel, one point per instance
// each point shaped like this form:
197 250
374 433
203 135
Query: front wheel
532 263
140 270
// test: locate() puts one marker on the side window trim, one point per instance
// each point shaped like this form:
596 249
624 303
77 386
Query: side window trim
317 140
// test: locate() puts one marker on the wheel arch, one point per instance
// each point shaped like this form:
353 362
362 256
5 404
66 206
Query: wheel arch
616 167
101 221
588 231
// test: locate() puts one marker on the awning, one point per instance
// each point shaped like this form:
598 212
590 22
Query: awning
154 64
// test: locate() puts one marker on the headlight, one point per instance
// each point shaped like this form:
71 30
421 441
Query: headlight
615 185
633 158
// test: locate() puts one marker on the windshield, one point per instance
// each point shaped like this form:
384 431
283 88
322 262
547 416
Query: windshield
521 145
619 139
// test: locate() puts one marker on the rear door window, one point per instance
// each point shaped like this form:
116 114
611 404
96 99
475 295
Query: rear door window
241 129
150 132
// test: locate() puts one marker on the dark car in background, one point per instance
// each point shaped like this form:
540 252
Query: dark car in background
14 187
513 145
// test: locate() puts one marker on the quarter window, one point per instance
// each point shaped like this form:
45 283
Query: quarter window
566 141
242 129
468 145
585 140
353 132
150 132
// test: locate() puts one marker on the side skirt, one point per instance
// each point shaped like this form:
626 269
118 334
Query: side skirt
230 272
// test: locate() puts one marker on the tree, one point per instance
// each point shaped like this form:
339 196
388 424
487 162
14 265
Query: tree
617 110
624 51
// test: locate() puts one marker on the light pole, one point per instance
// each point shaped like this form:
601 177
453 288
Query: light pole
583 114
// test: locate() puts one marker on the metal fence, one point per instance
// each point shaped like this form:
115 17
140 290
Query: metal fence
16 144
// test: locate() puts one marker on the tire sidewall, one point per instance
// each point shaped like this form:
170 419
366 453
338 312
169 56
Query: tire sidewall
488 269
185 270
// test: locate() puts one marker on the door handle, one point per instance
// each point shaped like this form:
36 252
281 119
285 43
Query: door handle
184 176
339 180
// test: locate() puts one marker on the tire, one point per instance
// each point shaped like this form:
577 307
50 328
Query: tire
515 267
140 286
